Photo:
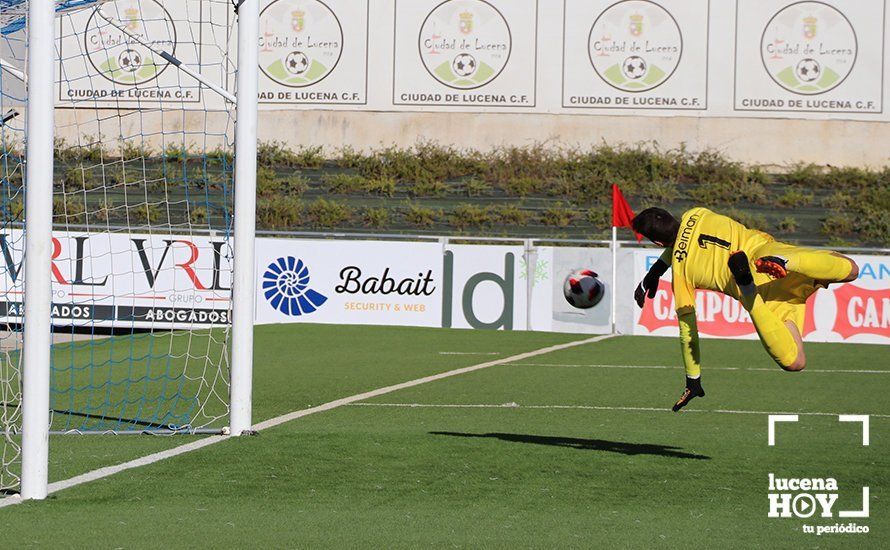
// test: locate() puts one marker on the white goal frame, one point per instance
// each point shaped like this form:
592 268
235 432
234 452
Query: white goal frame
41 78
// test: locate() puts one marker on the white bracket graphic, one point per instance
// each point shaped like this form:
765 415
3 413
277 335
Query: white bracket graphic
864 419
859 513
857 418
773 418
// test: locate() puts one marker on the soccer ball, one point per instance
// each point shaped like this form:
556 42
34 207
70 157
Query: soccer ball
296 63
130 60
464 65
634 67
582 289
808 70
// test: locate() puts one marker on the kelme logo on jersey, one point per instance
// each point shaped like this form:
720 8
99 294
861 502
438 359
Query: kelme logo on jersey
286 287
301 42
635 45
465 44
809 48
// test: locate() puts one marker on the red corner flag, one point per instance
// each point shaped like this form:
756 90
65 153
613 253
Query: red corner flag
622 214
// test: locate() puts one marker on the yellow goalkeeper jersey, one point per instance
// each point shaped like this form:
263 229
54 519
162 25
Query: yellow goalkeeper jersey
700 254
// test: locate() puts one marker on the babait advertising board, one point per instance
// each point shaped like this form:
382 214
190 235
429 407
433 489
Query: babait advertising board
856 312
390 283
348 282
126 280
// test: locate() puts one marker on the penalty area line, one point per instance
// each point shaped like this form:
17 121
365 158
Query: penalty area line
582 408
278 420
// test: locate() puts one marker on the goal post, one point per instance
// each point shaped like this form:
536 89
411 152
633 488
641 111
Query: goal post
38 254
132 310
243 292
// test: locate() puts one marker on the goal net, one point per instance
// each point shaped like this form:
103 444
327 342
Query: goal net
142 248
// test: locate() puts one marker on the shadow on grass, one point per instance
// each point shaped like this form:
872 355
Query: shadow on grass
587 444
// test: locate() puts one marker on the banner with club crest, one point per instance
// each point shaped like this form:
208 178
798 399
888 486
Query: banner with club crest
314 52
807 59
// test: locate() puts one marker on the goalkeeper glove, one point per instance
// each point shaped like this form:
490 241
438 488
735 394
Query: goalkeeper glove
693 390
647 288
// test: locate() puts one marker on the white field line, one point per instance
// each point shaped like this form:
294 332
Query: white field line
669 367
410 384
468 353
111 470
278 420
584 408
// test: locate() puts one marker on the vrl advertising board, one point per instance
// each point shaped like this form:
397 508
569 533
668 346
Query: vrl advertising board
856 312
125 280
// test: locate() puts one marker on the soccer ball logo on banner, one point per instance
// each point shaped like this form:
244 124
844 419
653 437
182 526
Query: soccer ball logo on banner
808 70
634 67
464 65
297 63
130 60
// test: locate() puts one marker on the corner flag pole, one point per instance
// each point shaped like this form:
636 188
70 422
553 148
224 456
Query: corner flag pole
622 216
614 275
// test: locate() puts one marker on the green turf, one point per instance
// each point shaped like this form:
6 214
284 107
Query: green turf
506 476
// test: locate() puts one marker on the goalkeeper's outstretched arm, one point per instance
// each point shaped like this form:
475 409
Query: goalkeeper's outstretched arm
649 284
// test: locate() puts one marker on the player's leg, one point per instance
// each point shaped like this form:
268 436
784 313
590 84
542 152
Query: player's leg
777 259
800 362
783 345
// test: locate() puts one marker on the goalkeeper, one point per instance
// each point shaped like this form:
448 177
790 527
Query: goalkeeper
712 252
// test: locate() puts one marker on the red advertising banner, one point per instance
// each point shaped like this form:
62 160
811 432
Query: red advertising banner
852 312
862 311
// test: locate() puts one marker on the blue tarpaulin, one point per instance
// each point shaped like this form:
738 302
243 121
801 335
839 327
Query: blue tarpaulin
13 12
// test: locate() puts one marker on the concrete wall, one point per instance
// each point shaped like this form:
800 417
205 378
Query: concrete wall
770 142
776 142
